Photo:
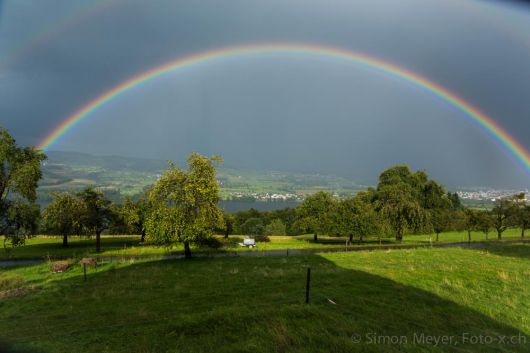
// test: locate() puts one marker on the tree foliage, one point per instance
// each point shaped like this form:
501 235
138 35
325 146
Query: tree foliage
503 215
64 215
20 172
185 203
97 214
135 214
275 227
356 217
315 213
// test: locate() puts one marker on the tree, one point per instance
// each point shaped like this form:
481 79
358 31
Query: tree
135 215
21 220
253 226
356 217
456 204
63 215
228 224
441 220
275 227
288 217
471 222
20 172
185 204
399 207
406 199
484 222
521 212
315 213
241 217
502 215
97 212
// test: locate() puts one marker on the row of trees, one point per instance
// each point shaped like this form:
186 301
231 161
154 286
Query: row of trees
182 206
407 202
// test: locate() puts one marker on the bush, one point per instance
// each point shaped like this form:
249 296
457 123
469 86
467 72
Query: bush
210 242
275 227
262 238
253 226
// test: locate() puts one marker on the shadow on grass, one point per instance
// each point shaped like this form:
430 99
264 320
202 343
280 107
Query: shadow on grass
516 250
242 305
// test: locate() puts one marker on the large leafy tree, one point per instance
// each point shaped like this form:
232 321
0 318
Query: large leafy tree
399 207
441 220
253 226
315 213
20 172
521 212
356 217
185 204
503 215
485 222
472 221
407 200
135 215
64 215
97 212
275 227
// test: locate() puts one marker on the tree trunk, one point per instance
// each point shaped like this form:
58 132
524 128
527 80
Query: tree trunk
65 240
315 237
499 234
522 231
98 241
399 236
227 233
351 238
142 239
187 250
437 236
469 236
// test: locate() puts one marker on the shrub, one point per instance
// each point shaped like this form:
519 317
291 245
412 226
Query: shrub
275 227
262 238
209 242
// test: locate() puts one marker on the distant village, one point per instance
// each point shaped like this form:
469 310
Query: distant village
491 195
486 195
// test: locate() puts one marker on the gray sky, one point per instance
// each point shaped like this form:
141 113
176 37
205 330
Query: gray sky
286 112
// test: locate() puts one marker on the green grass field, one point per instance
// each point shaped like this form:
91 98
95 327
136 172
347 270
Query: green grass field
257 304
51 247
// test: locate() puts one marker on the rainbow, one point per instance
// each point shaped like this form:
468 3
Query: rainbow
480 119
76 15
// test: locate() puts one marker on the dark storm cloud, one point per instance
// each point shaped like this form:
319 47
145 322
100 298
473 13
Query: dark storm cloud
292 114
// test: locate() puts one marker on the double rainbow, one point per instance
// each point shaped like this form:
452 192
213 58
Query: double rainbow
479 118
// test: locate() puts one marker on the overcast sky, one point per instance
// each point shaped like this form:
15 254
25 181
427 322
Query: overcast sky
282 112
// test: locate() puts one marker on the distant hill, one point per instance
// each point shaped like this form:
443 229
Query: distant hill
119 176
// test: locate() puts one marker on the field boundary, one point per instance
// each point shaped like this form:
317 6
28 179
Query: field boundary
263 253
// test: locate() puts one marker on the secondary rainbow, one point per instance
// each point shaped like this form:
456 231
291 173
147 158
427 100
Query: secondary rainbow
77 14
482 120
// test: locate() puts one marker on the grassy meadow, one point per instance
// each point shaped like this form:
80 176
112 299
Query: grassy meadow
51 247
371 301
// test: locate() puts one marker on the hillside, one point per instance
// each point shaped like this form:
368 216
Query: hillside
119 176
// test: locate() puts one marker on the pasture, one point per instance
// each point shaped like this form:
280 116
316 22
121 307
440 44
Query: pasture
50 247
370 301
